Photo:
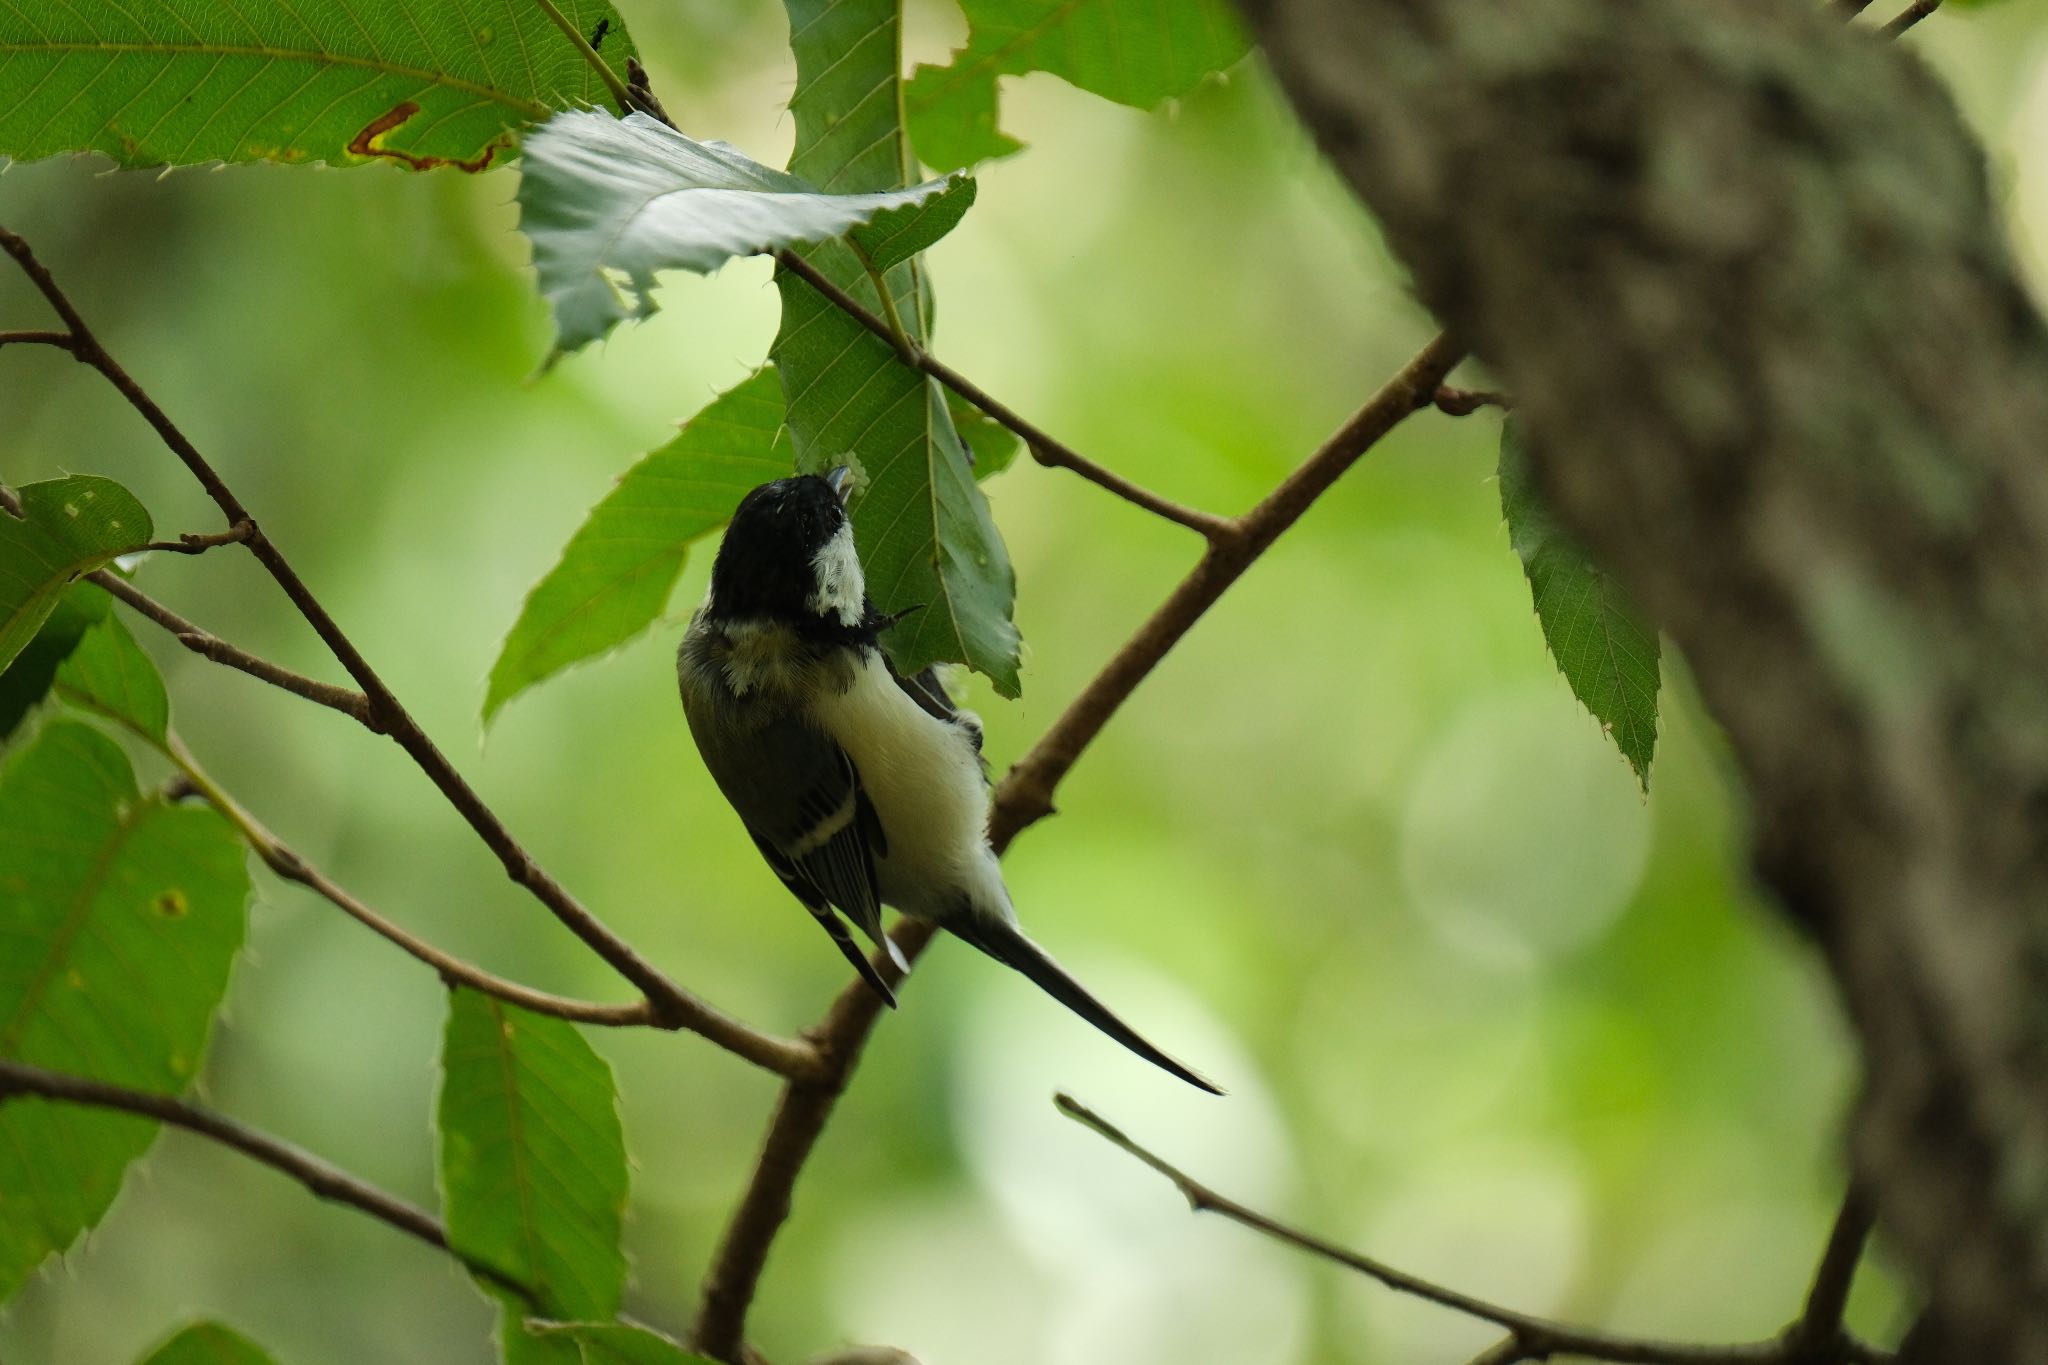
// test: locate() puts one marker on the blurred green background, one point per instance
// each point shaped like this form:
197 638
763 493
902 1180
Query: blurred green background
1354 850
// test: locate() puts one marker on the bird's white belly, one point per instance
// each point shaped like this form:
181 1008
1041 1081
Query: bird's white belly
924 779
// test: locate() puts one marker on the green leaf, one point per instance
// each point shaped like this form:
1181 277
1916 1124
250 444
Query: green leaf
119 917
993 446
924 532
611 1343
174 82
208 1343
520 1344
533 1164
610 202
1600 641
617 571
67 527
1135 52
110 675
27 680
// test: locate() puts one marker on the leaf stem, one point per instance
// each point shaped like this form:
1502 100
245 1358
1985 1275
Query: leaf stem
899 337
622 96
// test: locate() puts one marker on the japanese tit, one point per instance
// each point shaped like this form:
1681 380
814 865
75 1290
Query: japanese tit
861 787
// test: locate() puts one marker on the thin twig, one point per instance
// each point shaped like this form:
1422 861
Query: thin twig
323 1179
673 1006
194 543
287 863
1909 16
1024 796
1465 402
1819 1328
1044 448
1531 1337
204 643
61 340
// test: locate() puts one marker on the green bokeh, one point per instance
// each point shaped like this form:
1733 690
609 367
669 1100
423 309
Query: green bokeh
1583 1069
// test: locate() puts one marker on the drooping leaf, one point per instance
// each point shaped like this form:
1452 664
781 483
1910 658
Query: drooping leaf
925 535
611 1343
175 82
208 1343
109 674
533 1163
1135 52
617 571
67 527
27 680
1607 652
119 917
610 202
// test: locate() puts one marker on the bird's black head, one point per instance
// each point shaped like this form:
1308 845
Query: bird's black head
788 554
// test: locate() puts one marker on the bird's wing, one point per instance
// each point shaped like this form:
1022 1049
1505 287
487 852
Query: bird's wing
799 796
929 692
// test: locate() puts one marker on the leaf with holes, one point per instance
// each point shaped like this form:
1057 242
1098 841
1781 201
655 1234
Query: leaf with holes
609 203
119 917
611 1343
175 82
617 571
926 539
1135 52
26 681
110 676
1597 636
67 527
533 1163
208 1343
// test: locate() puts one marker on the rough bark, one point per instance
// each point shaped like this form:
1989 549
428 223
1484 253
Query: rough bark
1739 266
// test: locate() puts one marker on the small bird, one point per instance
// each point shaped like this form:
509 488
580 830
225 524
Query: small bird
861 787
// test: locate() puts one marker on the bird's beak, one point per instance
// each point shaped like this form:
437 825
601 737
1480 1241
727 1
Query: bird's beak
840 480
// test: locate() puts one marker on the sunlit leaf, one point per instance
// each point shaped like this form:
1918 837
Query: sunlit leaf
617 571
611 1343
208 1343
67 527
1605 649
119 917
924 531
27 680
173 82
109 675
608 203
533 1163
1136 52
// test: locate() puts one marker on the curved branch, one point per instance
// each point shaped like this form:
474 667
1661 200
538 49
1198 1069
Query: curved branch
1530 1337
672 1006
1023 797
324 1179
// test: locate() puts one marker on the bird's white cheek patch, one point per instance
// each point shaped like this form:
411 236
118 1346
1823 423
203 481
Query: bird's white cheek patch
841 588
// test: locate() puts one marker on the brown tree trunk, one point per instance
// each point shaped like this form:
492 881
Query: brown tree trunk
1740 269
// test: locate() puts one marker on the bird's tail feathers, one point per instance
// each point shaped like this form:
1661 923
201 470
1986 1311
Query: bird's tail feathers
1006 943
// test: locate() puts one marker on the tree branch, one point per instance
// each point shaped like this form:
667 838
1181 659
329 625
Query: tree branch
1909 16
322 1178
352 704
1044 448
61 340
1819 1328
287 863
1023 797
673 1006
1530 1337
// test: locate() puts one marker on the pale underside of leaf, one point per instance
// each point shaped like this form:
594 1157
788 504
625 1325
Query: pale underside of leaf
176 82
609 203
